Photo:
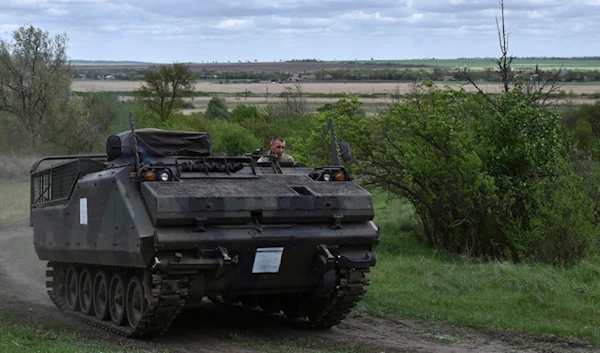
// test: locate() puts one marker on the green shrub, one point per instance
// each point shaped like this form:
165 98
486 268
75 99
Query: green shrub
189 122
217 109
232 139
482 174
563 226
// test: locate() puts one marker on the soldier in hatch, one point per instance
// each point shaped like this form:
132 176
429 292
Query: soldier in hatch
277 147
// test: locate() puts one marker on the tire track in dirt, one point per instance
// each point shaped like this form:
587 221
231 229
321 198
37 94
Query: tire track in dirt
219 328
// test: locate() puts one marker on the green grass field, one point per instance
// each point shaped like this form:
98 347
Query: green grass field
414 281
17 336
480 64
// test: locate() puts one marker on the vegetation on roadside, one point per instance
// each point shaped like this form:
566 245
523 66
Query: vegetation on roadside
14 201
412 280
19 336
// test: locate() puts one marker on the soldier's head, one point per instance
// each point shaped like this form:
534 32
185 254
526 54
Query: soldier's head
277 145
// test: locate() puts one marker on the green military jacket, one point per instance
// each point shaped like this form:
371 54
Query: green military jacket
284 158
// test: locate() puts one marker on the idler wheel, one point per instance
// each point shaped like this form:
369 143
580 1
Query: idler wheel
101 296
136 301
116 299
86 292
72 289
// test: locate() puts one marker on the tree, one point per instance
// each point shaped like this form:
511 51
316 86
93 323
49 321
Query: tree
165 88
217 109
488 176
292 104
81 126
538 88
35 81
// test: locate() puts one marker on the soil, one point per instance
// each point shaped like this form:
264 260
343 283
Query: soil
215 328
362 87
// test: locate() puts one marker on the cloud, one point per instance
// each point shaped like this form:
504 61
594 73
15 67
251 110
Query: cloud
190 30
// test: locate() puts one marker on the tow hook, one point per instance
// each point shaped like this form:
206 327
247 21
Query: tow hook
225 255
325 259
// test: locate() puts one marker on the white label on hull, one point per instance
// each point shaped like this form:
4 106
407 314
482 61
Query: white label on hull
83 211
267 260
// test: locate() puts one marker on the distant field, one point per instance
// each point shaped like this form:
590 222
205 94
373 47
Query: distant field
480 64
309 87
298 66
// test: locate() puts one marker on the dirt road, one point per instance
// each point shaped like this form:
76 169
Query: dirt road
215 328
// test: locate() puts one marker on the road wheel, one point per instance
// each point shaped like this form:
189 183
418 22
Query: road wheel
101 296
116 299
72 289
86 292
136 301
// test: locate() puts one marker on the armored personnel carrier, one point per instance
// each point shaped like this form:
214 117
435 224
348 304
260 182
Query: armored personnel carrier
133 235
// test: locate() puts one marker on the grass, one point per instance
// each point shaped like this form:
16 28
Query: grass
14 201
15 167
275 342
413 281
17 336
14 187
480 64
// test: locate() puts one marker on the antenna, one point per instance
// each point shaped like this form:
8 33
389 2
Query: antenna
136 156
335 158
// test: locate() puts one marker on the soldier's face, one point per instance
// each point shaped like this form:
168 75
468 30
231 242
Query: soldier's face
277 147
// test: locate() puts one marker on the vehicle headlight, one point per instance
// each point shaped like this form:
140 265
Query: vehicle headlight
164 176
326 176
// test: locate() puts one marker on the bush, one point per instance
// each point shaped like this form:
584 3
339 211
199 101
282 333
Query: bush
482 175
189 122
562 228
265 123
217 109
232 139
583 124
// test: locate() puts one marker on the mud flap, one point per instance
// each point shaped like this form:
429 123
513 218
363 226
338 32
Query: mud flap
356 259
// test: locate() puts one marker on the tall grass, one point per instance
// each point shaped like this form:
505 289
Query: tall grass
414 281
15 167
14 202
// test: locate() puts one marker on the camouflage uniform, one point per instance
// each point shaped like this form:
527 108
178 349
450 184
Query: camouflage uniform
284 158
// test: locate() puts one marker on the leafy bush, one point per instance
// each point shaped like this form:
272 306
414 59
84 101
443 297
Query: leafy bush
487 178
265 123
190 122
562 228
583 124
232 139
217 109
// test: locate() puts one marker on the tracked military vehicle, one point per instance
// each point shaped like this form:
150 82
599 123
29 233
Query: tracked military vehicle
133 235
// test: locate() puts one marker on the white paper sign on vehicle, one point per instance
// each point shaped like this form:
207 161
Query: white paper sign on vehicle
267 260
83 211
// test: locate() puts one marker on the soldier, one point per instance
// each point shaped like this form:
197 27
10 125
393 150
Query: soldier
277 147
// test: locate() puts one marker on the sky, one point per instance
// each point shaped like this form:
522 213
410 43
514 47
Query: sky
167 31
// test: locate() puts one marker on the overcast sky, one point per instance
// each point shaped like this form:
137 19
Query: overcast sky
169 31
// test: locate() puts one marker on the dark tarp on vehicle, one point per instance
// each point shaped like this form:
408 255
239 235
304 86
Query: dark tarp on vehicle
160 143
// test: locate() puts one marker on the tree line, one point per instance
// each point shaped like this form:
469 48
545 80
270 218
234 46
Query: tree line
397 74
